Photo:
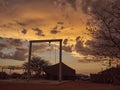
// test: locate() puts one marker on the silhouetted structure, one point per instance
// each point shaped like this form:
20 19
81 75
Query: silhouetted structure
16 76
60 55
111 75
52 72
3 75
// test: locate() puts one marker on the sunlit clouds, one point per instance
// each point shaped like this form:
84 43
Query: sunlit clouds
24 20
22 16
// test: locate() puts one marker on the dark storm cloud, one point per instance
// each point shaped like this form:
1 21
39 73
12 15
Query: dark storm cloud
2 46
103 48
57 28
54 31
65 42
19 52
60 26
11 42
73 4
14 42
1 37
92 5
79 48
61 23
63 3
24 31
77 38
67 48
9 4
38 31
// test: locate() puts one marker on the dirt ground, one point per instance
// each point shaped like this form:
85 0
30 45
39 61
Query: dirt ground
55 85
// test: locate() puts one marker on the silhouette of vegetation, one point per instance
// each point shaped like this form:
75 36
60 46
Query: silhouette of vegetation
110 75
15 76
11 68
3 75
36 66
104 28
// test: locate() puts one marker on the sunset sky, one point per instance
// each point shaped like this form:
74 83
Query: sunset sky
24 20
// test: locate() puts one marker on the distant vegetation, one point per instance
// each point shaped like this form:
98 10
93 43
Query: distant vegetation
36 68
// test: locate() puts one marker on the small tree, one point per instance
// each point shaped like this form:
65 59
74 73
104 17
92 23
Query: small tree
36 65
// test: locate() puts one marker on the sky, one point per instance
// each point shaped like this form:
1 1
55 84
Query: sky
24 20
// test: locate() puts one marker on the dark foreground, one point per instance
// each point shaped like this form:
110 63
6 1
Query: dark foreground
54 85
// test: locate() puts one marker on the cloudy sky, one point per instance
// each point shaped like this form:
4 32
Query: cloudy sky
24 20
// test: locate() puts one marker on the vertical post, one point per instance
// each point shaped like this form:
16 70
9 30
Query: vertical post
29 58
2 75
2 69
60 62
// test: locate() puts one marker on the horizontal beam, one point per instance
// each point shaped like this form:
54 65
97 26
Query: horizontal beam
60 55
51 40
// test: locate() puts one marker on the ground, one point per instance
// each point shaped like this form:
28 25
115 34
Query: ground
55 85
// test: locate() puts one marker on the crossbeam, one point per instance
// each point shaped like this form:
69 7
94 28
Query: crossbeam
60 54
51 40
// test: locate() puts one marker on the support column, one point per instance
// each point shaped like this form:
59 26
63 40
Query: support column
60 62
29 58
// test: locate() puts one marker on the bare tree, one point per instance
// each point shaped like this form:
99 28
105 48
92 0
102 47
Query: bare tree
104 27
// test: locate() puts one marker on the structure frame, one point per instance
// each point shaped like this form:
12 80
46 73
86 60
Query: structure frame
60 55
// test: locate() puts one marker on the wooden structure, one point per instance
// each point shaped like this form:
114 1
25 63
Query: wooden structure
60 54
52 73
